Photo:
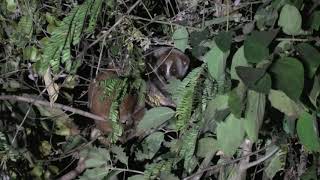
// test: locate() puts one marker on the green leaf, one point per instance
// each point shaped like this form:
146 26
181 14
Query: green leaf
255 78
206 146
180 38
196 37
254 114
310 56
263 85
307 132
219 103
256 45
283 103
97 173
315 20
238 60
288 76
11 5
216 60
315 91
136 177
290 20
155 117
223 40
152 144
235 104
230 135
96 157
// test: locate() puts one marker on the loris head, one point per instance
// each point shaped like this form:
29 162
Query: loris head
171 62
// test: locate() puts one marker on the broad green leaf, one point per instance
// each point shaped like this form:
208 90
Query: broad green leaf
136 177
290 20
307 131
288 76
98 173
283 103
263 85
219 103
315 91
230 135
238 60
216 60
206 146
255 78
196 37
310 56
152 144
155 117
315 20
254 114
276 164
235 103
223 40
95 157
180 38
256 45
11 5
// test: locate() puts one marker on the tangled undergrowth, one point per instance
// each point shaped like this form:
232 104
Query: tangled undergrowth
247 109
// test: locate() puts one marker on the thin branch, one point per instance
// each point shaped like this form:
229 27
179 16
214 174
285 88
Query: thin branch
234 161
37 102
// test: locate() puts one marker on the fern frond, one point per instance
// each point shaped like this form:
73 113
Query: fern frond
116 89
94 13
184 97
189 144
57 50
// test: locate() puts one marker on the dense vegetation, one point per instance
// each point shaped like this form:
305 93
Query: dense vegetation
248 107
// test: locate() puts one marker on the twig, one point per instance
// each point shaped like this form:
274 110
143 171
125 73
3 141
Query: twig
161 22
54 105
236 160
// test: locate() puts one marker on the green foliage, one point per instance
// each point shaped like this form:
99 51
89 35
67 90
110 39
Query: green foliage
283 103
307 131
230 135
255 78
256 45
180 38
119 88
290 20
57 50
253 82
311 57
186 92
254 114
289 76
238 60
155 117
